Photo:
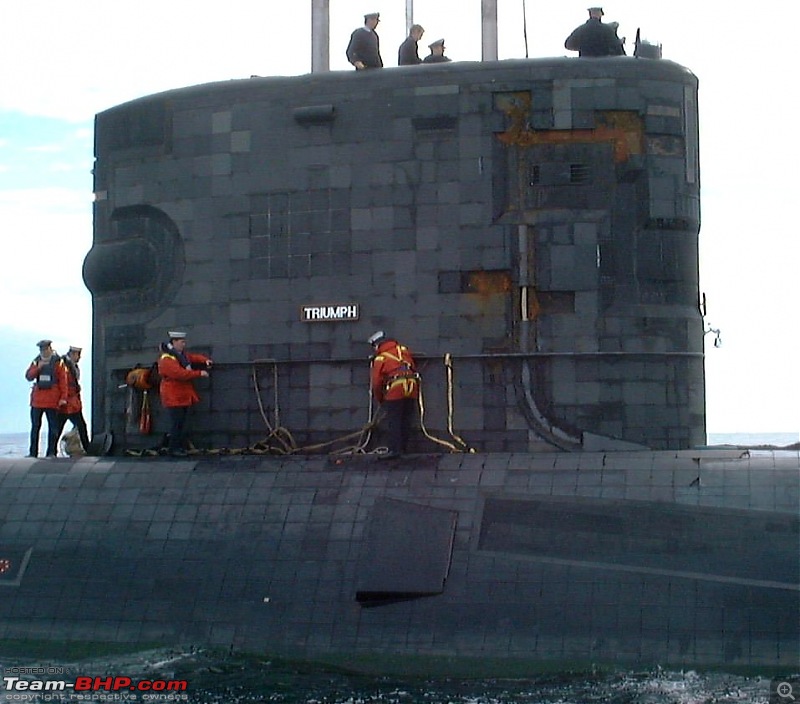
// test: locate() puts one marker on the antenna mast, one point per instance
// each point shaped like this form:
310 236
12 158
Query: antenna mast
525 27
488 30
320 36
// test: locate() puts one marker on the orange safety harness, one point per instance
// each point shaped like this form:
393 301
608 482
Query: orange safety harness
403 375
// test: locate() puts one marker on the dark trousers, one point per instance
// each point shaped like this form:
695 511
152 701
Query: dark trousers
78 422
52 430
399 416
177 423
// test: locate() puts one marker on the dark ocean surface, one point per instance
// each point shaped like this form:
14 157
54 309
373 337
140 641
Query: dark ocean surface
225 678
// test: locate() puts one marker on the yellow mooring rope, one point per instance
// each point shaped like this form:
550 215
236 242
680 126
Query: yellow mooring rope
280 440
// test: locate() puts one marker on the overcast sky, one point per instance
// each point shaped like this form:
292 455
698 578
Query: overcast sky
64 61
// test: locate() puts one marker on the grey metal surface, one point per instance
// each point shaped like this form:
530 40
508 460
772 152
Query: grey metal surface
729 546
407 551
266 554
488 210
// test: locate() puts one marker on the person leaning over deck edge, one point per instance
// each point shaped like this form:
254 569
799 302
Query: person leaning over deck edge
395 385
175 367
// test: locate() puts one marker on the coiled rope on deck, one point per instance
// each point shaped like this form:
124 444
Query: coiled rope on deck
280 440
286 442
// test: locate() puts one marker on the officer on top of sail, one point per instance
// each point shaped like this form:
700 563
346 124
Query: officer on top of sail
408 53
593 38
364 49
437 53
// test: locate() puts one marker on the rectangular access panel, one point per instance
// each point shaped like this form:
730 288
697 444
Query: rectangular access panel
407 552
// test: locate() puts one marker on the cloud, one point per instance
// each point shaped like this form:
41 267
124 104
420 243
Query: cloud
50 231
47 233
46 149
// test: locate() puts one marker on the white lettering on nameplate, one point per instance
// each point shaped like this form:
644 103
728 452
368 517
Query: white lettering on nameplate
316 314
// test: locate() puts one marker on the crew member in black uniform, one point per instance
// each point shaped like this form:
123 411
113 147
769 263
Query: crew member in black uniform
437 53
408 54
593 38
364 49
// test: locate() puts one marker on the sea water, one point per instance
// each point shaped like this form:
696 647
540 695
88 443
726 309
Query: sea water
16 444
208 677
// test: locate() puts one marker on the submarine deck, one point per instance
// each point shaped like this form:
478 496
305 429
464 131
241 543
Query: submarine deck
673 557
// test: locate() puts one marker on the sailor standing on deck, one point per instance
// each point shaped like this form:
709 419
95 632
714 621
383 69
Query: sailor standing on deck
49 387
70 407
364 49
395 385
177 372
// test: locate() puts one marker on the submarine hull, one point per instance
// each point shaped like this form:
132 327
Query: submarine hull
684 558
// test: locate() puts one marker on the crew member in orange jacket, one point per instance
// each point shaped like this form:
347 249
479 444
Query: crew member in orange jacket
71 407
395 385
49 387
177 370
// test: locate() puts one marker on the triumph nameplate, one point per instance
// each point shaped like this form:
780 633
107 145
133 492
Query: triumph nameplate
317 314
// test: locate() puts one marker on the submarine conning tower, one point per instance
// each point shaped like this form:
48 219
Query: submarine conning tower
528 227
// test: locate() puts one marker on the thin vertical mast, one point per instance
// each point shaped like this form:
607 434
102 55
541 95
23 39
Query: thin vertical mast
488 30
320 36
